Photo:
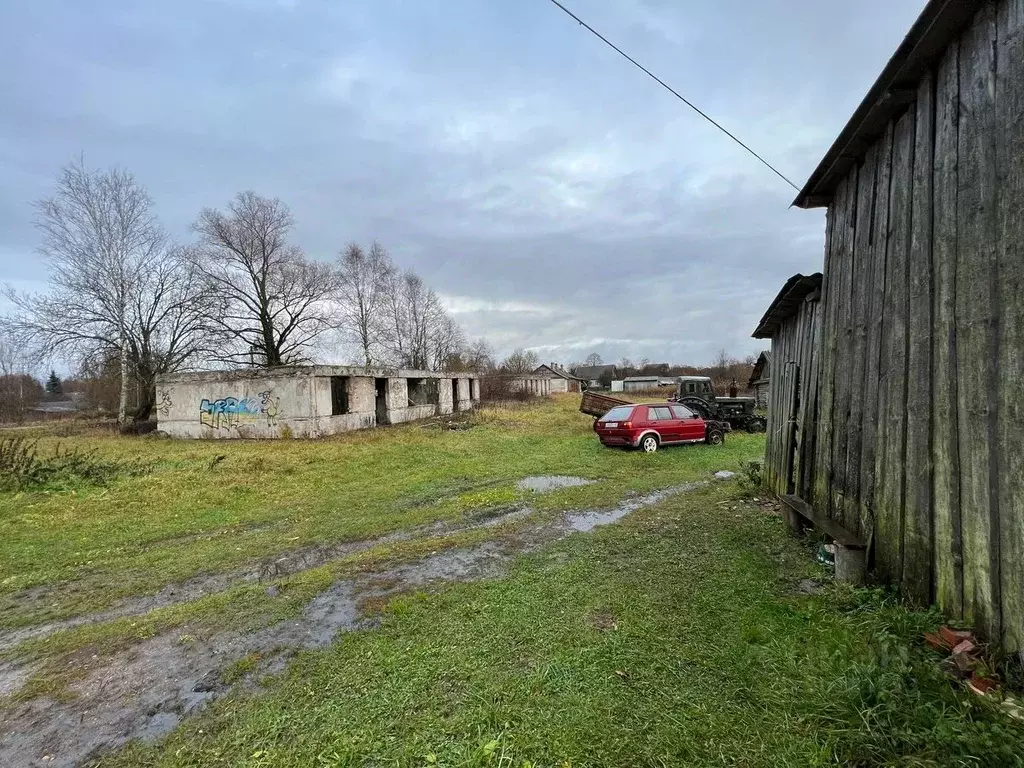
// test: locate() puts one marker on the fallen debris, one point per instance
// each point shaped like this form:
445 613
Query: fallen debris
966 662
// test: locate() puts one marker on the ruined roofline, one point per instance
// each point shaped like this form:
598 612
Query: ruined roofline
311 371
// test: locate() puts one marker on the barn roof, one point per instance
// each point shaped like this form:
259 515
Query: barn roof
939 23
786 304
557 370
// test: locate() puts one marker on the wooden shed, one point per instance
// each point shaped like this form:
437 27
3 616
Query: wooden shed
793 323
760 379
919 435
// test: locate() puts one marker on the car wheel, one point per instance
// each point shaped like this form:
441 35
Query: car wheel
715 437
649 444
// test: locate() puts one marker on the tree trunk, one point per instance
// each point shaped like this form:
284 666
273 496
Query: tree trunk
122 405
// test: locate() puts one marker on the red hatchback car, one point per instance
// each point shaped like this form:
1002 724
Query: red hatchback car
652 425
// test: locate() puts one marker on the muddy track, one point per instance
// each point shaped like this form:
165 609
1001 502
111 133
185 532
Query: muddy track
144 691
280 564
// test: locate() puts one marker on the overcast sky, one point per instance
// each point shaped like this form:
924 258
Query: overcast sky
553 195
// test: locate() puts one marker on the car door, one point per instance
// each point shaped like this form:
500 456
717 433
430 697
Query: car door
663 420
691 427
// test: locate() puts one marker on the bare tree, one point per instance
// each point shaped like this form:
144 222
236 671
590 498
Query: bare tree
18 389
273 302
446 341
593 359
416 331
479 356
364 279
115 288
521 361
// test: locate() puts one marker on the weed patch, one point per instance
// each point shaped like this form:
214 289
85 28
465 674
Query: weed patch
23 467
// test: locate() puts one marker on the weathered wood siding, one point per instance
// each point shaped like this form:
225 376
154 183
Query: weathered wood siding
793 397
918 441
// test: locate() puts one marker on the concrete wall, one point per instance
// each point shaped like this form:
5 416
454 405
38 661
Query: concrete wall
445 404
465 397
539 386
296 402
556 384
238 406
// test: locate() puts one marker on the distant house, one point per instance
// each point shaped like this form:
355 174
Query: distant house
635 383
561 380
760 379
592 374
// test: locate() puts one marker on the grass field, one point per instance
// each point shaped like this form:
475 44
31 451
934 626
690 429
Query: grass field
209 506
677 636
673 638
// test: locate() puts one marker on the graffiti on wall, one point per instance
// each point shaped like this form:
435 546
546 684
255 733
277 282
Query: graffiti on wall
231 412
165 402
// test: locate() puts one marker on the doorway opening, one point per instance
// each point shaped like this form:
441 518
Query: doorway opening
381 386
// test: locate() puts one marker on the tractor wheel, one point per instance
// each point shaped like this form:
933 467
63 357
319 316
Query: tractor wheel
715 437
698 406
756 425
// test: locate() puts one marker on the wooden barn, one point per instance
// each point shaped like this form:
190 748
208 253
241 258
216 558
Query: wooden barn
915 439
793 323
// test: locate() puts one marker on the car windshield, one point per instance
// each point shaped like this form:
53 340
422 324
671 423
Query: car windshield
618 413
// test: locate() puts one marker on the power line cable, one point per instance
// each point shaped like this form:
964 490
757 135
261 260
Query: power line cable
673 91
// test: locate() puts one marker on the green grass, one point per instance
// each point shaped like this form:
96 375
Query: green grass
192 514
672 638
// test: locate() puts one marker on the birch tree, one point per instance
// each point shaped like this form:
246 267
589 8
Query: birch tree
364 279
116 287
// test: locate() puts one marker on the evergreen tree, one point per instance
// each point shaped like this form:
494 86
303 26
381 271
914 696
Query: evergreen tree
53 384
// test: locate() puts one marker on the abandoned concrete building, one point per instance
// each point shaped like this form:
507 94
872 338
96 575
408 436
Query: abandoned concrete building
535 385
307 401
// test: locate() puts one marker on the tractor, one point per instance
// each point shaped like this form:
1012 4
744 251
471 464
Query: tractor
697 394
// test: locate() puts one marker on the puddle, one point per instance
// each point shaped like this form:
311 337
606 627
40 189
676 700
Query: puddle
545 483
11 678
587 521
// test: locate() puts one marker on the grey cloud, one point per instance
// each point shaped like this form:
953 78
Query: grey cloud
553 195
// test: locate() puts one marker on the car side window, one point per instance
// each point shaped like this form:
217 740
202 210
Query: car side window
682 412
659 413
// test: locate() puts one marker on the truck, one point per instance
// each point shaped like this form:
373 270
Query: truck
697 394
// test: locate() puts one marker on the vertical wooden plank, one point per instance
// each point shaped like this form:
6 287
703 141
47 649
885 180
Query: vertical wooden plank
875 277
1010 379
814 395
945 395
857 349
917 533
892 417
975 316
822 498
769 443
844 333
808 400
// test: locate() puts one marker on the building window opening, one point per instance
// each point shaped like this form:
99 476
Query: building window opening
339 395
422 392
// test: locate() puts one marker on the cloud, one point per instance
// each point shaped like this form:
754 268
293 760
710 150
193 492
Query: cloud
552 194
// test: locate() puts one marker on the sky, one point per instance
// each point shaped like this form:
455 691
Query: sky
555 197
